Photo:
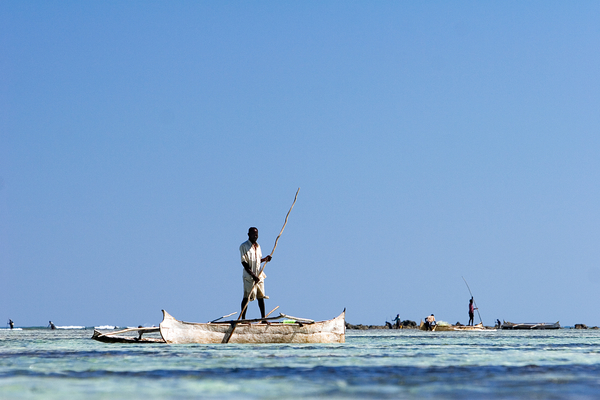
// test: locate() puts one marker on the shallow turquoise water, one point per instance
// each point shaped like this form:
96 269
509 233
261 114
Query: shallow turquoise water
44 364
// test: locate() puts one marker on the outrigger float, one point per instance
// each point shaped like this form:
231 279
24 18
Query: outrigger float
265 330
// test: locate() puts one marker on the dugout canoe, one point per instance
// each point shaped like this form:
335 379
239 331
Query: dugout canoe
290 330
268 330
477 327
531 325
423 327
463 328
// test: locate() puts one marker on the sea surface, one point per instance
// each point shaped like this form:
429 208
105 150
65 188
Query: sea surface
381 364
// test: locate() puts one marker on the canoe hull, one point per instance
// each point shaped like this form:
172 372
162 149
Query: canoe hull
528 326
423 327
179 332
478 327
461 328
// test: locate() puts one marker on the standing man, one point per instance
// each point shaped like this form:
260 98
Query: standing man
430 322
251 258
397 321
471 312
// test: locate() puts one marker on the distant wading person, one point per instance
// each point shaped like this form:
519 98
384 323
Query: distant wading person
251 255
430 323
471 312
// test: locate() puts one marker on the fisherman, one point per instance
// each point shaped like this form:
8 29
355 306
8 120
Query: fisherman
51 325
11 323
498 324
471 312
254 285
397 320
430 322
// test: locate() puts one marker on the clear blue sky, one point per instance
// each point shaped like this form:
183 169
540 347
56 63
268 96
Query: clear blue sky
431 140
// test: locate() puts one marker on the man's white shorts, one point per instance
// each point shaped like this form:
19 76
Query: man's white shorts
259 289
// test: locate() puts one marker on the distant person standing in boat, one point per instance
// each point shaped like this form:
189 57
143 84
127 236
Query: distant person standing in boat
471 312
251 255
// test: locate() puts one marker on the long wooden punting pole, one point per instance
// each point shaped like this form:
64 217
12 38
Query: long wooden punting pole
227 337
475 303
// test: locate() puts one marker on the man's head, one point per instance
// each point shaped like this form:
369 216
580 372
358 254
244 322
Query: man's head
253 235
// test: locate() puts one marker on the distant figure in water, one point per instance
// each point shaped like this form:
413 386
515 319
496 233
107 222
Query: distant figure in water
51 325
471 312
11 323
498 324
397 321
430 322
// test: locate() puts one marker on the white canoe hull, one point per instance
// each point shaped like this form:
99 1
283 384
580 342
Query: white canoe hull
526 326
462 328
478 327
179 332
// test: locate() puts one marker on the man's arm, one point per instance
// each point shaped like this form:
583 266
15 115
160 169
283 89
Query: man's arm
248 270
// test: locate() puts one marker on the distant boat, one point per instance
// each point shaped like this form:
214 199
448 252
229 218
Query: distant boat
423 327
290 330
478 327
529 325
445 327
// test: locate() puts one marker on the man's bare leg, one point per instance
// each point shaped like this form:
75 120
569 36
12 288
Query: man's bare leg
244 302
261 305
